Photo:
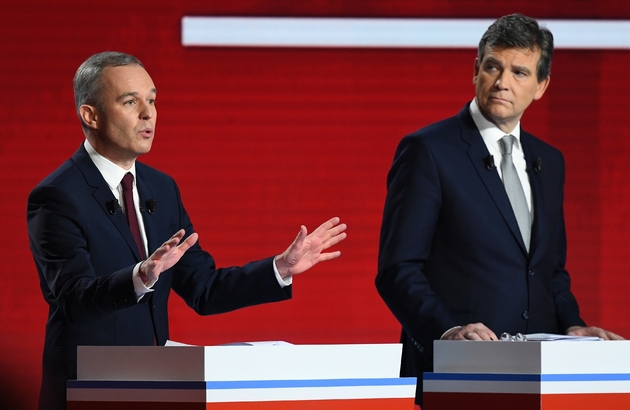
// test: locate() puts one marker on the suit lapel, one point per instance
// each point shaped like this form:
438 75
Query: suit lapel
103 195
145 193
478 152
538 194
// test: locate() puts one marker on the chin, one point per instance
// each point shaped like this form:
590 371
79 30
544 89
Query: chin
498 114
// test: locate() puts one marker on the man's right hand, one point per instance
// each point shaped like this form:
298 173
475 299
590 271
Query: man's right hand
473 331
166 256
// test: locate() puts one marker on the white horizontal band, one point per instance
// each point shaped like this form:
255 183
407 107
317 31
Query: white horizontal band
240 395
385 32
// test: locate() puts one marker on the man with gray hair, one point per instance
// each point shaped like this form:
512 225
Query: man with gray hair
111 238
473 240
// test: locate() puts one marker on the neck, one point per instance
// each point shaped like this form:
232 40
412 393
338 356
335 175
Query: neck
507 127
124 163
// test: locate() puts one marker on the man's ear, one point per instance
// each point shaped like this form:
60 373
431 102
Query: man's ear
476 71
542 87
89 115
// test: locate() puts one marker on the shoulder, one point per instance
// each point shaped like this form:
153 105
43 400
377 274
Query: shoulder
67 175
438 129
446 131
152 174
445 136
538 146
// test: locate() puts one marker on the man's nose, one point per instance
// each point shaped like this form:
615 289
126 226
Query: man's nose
147 110
502 81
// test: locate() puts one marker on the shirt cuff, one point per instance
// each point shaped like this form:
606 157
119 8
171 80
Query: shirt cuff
282 282
140 288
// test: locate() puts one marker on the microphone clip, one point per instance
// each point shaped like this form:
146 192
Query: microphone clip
150 206
537 165
489 162
113 206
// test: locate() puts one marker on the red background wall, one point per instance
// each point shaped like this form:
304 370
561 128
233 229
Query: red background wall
263 140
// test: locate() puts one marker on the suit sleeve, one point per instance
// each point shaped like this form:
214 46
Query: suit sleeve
412 210
567 309
58 242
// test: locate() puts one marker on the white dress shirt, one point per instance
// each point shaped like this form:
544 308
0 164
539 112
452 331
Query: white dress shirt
491 135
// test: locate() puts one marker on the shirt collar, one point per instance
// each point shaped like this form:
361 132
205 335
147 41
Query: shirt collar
490 133
111 172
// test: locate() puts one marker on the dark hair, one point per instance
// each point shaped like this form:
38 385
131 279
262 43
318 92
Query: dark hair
87 80
519 31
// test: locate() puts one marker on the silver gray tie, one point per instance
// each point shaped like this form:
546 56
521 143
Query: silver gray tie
514 189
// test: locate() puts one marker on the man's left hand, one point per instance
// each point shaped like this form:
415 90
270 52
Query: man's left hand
593 331
306 251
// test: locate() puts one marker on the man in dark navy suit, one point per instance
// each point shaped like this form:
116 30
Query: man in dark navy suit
473 238
111 238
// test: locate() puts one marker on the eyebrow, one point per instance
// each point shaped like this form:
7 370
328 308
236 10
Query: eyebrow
492 60
132 94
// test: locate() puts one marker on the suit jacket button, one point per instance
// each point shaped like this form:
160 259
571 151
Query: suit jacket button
526 315
531 273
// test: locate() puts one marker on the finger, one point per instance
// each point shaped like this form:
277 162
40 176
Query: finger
179 234
326 226
328 256
330 235
456 336
614 336
578 332
487 335
167 246
337 230
596 331
334 240
189 242
299 239
473 336
173 240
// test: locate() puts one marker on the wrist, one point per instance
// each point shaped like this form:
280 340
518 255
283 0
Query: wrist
142 273
282 266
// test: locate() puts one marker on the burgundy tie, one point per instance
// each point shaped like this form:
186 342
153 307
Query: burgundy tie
130 212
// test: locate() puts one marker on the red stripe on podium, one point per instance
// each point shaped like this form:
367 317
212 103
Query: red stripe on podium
586 401
481 401
513 401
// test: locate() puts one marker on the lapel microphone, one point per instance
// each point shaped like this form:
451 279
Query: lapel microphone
537 165
150 206
112 206
489 162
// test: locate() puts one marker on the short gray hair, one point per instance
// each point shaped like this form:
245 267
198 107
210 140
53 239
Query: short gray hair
87 80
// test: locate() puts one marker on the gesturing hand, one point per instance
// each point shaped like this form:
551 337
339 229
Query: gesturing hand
306 251
166 256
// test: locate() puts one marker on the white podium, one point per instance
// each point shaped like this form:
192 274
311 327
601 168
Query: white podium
241 377
547 375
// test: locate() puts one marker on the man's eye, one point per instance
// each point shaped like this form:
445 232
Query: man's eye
129 102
